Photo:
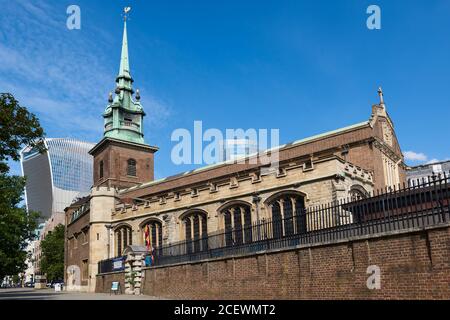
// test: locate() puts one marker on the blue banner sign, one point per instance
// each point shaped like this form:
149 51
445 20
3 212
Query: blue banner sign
118 264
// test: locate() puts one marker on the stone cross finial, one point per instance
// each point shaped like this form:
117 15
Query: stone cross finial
380 93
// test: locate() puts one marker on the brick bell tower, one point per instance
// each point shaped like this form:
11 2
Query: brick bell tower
122 159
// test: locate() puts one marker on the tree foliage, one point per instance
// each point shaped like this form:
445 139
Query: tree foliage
16 226
18 127
52 261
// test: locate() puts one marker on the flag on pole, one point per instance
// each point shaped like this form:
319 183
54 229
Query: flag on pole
149 259
147 237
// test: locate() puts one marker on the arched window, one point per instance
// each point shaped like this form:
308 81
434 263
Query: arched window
357 193
131 167
101 169
152 234
288 215
123 237
196 231
238 224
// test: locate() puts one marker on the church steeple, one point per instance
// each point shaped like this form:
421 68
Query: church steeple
122 159
124 116
124 79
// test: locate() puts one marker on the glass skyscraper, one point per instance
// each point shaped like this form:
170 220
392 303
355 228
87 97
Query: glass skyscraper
56 177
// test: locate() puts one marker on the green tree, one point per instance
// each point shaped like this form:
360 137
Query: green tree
52 261
16 226
18 128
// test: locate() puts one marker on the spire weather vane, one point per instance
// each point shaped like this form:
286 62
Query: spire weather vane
126 10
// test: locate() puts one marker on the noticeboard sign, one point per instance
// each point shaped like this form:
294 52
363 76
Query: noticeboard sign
114 286
118 264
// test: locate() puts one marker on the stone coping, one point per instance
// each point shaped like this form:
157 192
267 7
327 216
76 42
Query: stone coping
108 273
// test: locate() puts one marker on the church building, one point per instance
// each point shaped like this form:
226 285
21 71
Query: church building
350 162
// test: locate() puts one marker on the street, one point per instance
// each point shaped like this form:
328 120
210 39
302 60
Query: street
50 294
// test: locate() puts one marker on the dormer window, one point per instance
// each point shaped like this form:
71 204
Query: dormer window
131 167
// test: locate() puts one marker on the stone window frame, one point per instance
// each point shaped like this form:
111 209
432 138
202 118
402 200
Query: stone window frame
238 234
357 190
85 238
201 224
118 232
159 233
84 269
131 167
285 228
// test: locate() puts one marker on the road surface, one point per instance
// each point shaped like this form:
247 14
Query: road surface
50 294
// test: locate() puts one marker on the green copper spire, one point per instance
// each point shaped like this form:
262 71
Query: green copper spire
124 78
123 115
124 64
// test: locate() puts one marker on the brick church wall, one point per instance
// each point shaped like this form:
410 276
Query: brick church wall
414 265
76 249
105 280
115 156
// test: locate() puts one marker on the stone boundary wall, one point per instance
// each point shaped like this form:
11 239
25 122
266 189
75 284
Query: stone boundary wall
413 264
104 281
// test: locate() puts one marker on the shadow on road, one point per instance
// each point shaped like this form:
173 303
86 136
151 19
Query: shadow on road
48 294
29 294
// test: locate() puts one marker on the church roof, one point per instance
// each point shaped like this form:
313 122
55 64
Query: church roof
297 143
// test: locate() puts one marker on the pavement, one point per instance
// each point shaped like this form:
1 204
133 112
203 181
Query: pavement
50 294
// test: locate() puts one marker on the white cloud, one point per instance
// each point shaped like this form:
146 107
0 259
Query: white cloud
437 160
432 161
414 156
421 157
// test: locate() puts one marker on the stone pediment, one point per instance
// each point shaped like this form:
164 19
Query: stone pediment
135 249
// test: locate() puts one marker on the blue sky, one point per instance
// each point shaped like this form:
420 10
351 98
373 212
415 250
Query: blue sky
303 67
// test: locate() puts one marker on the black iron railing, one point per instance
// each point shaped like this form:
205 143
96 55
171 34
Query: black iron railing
426 203
112 265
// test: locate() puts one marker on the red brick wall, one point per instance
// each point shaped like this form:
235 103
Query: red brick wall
104 281
413 266
76 255
115 157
